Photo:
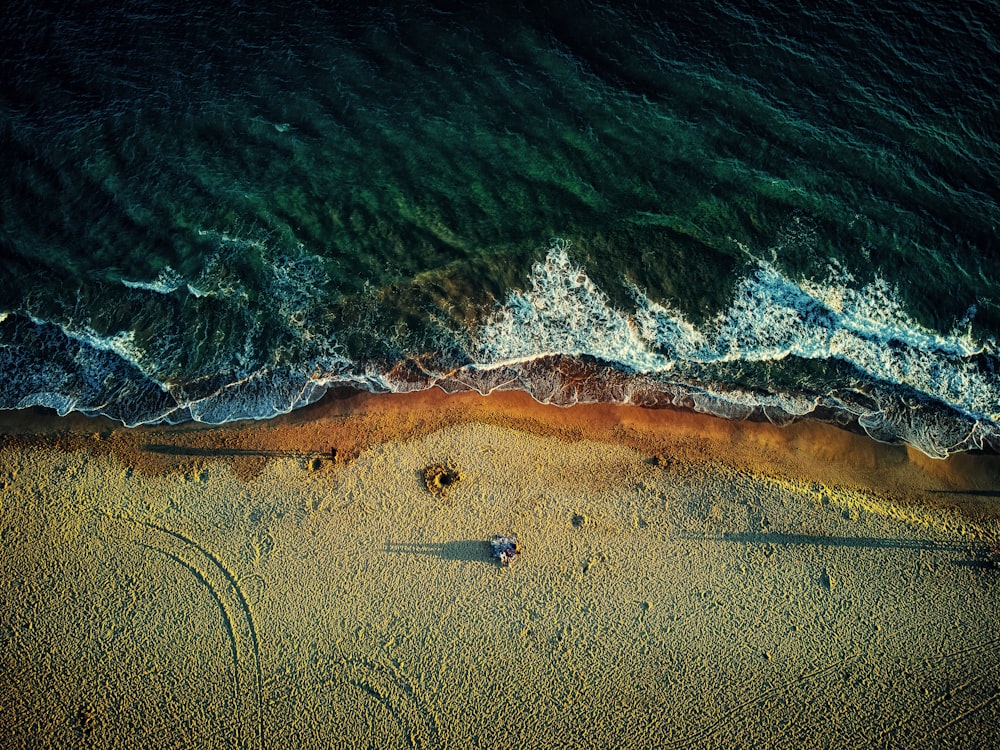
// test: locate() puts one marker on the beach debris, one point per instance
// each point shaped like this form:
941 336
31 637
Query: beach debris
315 463
505 547
578 520
662 461
440 478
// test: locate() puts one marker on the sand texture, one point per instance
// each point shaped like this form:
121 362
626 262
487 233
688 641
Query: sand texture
684 582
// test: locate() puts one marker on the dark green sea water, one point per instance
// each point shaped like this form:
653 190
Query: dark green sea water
220 212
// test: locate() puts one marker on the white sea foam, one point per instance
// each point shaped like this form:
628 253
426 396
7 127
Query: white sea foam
114 374
83 372
562 313
770 317
874 312
167 281
304 364
121 343
652 349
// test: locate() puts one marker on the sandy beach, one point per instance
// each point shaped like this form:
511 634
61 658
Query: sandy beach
684 582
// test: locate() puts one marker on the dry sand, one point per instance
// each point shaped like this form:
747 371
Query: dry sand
684 582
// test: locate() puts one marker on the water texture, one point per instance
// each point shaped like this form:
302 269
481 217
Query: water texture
757 211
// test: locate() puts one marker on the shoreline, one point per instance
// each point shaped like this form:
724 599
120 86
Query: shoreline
352 421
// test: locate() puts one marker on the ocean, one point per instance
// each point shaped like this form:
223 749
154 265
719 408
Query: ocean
217 212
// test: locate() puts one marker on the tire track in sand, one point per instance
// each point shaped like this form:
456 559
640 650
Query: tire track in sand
386 686
209 571
815 677
969 697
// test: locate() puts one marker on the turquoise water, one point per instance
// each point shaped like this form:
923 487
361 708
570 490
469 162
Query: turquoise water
739 208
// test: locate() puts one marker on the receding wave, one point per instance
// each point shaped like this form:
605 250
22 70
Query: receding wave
561 340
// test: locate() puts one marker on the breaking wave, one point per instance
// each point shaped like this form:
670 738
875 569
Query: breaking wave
559 339
935 391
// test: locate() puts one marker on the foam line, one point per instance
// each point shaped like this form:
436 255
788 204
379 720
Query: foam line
935 391
770 317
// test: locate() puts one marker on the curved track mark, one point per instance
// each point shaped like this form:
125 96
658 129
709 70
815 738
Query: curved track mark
703 734
924 711
964 715
221 584
226 620
386 686
915 724
240 598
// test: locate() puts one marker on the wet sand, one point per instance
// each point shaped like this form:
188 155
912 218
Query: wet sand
684 582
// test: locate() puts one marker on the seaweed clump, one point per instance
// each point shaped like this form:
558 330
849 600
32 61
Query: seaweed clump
440 478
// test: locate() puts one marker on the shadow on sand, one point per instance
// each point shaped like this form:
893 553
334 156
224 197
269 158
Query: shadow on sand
184 450
973 493
973 555
859 542
465 550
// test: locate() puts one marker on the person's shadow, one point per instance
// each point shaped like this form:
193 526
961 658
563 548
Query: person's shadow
465 550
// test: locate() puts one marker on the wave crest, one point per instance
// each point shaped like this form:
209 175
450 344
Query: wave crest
559 339
770 318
